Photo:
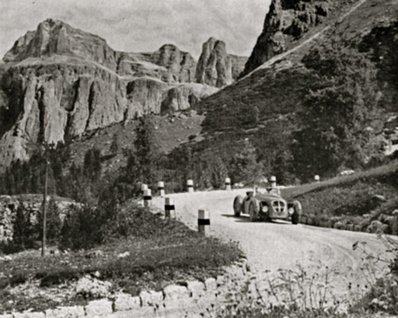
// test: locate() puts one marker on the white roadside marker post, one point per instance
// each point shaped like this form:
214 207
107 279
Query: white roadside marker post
317 178
190 186
161 188
144 187
147 198
169 209
203 221
395 223
228 184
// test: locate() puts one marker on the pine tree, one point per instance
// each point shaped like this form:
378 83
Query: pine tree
244 165
145 151
92 164
115 145
53 224
23 235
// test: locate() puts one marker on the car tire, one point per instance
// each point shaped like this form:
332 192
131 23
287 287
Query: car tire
297 212
254 209
238 204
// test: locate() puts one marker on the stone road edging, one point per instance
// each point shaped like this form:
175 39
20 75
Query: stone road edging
214 296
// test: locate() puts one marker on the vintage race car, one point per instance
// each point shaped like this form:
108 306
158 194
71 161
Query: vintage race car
266 206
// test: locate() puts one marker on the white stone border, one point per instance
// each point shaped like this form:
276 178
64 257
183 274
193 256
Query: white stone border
189 299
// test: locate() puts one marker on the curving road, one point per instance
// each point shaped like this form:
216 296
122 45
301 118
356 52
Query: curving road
281 245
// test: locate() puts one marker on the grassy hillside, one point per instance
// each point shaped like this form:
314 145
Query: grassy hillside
169 133
329 98
276 89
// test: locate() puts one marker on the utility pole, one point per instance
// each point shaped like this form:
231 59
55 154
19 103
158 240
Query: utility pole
44 216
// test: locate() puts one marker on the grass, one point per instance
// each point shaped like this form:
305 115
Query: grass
296 293
173 253
375 173
351 202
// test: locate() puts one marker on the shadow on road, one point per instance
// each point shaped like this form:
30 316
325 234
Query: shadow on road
245 219
231 216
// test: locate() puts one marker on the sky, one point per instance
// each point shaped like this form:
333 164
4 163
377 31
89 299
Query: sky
143 25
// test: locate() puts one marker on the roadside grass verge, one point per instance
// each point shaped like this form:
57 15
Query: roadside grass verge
151 260
375 173
363 201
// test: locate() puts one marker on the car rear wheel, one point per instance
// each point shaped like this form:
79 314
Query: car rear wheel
297 212
254 209
238 204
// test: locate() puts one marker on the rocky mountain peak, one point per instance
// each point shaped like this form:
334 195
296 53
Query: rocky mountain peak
286 22
181 64
54 37
213 42
216 67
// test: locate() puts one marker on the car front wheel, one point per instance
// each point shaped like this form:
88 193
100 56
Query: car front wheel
254 210
297 212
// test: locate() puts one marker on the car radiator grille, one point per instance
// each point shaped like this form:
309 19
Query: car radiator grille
279 206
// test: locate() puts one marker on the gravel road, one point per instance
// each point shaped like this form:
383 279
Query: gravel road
280 245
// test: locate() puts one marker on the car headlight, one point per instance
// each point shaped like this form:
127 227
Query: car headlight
264 209
291 211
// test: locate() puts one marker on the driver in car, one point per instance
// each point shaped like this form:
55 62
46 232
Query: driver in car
272 187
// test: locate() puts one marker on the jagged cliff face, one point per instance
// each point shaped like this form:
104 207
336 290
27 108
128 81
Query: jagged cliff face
184 95
59 82
168 64
51 102
216 67
286 22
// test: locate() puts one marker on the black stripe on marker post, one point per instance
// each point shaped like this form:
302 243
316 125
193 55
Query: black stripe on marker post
203 222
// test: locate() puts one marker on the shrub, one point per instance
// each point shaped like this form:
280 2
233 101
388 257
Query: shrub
135 221
53 223
85 227
81 229
24 234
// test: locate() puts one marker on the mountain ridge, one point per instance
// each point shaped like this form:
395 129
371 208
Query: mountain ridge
59 82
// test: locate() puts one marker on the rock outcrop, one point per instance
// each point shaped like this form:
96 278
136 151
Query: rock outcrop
181 65
145 96
285 22
216 67
184 96
137 65
168 64
47 102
